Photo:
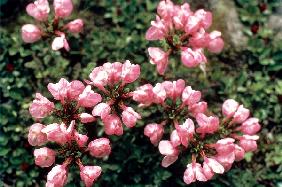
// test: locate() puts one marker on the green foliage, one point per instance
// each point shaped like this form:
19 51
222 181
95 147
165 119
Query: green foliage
115 31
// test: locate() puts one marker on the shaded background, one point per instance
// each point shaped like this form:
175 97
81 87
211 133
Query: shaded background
248 70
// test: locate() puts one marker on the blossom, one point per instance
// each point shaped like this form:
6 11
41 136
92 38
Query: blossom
30 33
241 114
44 157
207 124
63 8
216 43
41 106
144 94
155 132
39 10
86 118
229 107
89 174
112 125
130 72
174 89
214 165
192 58
129 117
57 176
57 133
158 57
190 96
185 131
101 109
248 142
60 42
88 98
100 147
193 172
250 127
35 136
75 26
171 153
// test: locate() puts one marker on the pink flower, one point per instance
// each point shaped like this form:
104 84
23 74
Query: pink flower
168 160
181 16
74 89
159 93
57 176
99 77
56 133
113 125
225 152
102 109
239 153
158 57
216 43
241 114
59 90
200 39
204 17
80 139
175 139
207 124
75 26
130 72
39 10
63 8
207 171
114 71
35 136
197 108
174 89
214 165
186 131
155 132
86 118
88 98
60 42
248 143
165 9
100 147
229 107
44 157
190 96
166 148
192 58
89 174
158 30
130 117
30 33
194 172
40 107
250 127
144 94
193 24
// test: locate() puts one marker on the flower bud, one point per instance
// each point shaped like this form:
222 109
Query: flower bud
190 96
88 98
56 133
158 57
229 107
155 132
159 93
59 90
41 107
75 26
192 58
144 94
35 136
89 174
30 33
207 124
39 10
57 176
44 157
80 139
100 147
130 117
63 8
248 143
241 114
130 72
216 43
250 127
102 110
60 42
113 125
86 118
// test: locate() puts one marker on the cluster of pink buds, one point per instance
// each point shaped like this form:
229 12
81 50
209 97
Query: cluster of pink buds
184 31
75 100
217 144
45 28
111 79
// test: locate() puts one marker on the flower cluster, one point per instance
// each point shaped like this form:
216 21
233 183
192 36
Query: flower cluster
111 79
184 31
39 10
214 142
75 99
